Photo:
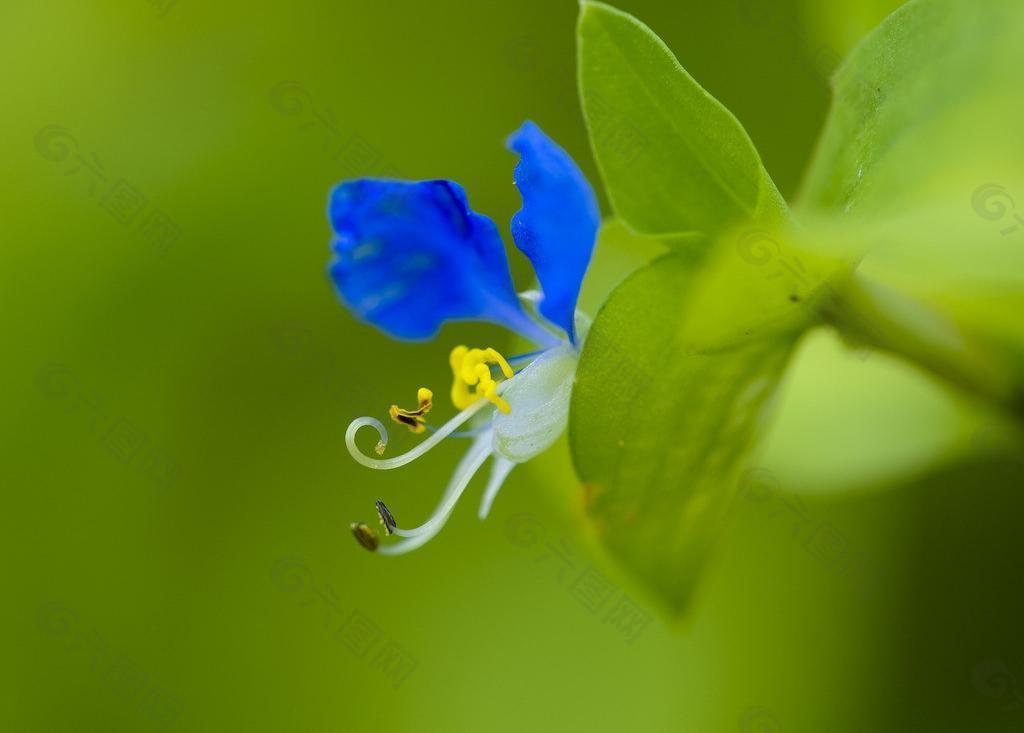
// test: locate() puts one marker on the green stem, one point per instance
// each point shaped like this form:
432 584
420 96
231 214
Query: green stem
887 319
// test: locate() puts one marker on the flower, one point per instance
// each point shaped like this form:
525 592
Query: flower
409 256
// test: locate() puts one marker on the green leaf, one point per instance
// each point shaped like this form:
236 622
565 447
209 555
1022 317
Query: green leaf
673 159
679 369
927 107
617 254
671 391
921 159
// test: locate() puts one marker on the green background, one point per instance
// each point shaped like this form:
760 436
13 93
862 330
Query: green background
177 489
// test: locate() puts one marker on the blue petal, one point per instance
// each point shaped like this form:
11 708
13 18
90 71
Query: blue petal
411 255
557 226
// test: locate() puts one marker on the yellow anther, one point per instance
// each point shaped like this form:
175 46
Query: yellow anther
456 357
472 359
495 358
472 368
413 419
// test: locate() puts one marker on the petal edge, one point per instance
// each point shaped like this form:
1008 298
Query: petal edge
557 225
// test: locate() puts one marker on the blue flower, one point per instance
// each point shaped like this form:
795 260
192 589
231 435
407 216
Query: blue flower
410 256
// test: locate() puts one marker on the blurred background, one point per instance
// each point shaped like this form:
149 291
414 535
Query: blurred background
179 376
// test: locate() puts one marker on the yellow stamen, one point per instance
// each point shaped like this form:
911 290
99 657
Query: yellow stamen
413 419
471 368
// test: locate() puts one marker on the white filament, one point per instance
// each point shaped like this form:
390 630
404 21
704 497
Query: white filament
460 470
499 472
384 464
467 468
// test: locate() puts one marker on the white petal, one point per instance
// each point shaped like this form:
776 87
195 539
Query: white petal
539 398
